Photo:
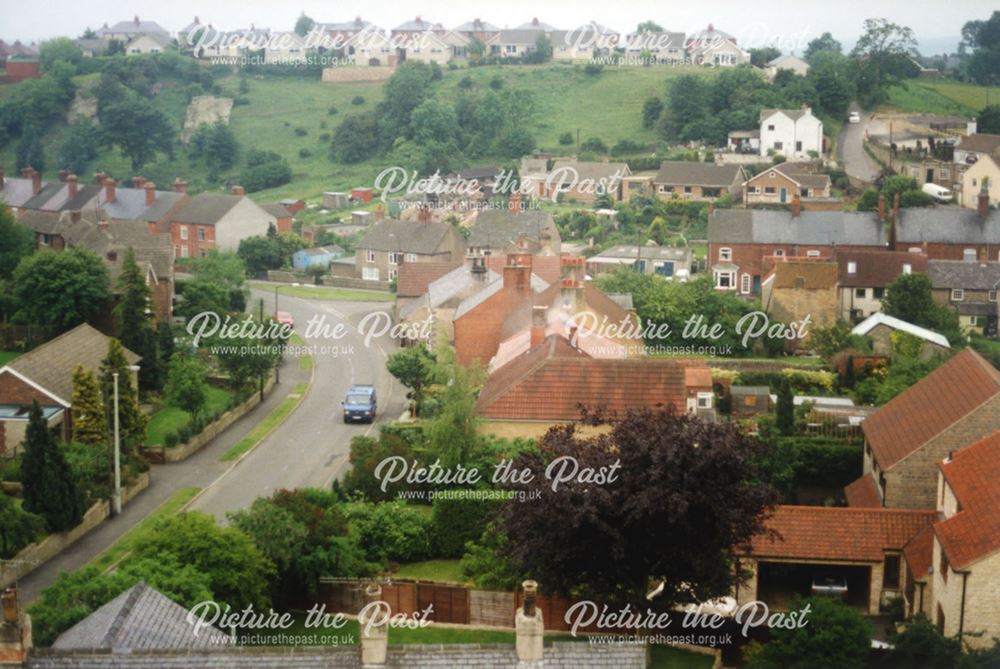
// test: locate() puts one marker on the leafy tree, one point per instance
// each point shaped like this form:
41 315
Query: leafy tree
652 108
658 231
132 313
61 289
988 120
681 502
131 420
29 150
186 387
90 421
457 521
649 27
836 637
266 175
355 139
883 55
832 76
486 564
16 242
452 432
785 409
984 38
594 145
261 355
412 367
59 50
476 49
215 144
303 25
909 298
390 530
405 90
49 487
237 571
225 269
165 342
764 55
542 52
18 527
79 147
920 644
821 44
138 128
202 296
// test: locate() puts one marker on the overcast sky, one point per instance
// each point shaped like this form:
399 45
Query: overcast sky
790 22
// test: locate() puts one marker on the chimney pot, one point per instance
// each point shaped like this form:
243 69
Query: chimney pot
62 175
180 186
99 178
529 628
138 182
796 206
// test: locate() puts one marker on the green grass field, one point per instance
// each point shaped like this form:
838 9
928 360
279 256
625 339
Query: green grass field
942 97
7 356
170 419
442 571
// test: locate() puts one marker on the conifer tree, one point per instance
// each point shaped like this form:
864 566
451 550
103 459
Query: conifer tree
90 422
132 422
50 489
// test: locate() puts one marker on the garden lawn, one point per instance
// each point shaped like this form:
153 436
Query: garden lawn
441 571
7 356
169 419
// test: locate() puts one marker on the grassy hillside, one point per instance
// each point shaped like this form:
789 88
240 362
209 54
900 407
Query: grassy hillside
942 97
607 105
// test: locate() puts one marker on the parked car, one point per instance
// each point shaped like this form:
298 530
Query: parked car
828 585
285 318
938 193
854 117
360 405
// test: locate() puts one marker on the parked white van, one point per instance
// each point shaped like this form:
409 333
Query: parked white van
939 193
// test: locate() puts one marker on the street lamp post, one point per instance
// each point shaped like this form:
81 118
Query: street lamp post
117 498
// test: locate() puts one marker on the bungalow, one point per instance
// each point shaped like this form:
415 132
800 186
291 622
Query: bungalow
665 261
517 43
744 244
974 146
865 275
148 43
949 409
782 183
659 47
970 288
793 133
484 31
496 231
125 31
217 221
690 180
716 48
388 244
955 564
431 47
284 48
45 375
880 328
584 181
535 24
792 63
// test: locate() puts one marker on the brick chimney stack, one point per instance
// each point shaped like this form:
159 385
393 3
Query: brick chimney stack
517 273
424 215
72 183
796 206
99 178
180 186
62 175
109 189
150 189
138 182
983 204
238 190
15 630
538 323
36 182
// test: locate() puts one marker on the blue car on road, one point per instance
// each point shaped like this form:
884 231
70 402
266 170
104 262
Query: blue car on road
360 405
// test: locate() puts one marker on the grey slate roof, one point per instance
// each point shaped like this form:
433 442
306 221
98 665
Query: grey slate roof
535 24
980 143
133 28
949 225
687 172
646 253
498 228
593 169
523 36
164 202
405 236
794 114
138 619
207 208
417 25
962 274
759 226
49 190
276 209
16 191
477 26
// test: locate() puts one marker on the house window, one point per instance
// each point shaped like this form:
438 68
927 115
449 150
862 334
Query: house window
184 232
393 273
754 190
201 234
769 190
879 293
852 267
687 189
201 253
957 294
798 146
43 239
394 258
725 280
779 253
369 273
890 572
704 400
770 127
725 254
184 252
411 257
915 249
812 253
969 255
993 295
804 192
907 268
860 293
745 283
369 256
771 174
779 145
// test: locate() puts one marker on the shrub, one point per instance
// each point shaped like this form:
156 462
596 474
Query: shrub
324 137
357 100
184 433
457 521
390 531
593 69
331 111
566 138
595 145
304 153
170 439
241 101
300 132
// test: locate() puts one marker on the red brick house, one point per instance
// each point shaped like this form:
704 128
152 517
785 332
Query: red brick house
744 244
950 233
217 221
952 407
864 274
45 375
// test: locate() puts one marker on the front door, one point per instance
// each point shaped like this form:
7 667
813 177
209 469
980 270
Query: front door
784 195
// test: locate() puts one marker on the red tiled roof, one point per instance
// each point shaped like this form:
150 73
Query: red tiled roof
862 494
414 277
973 474
929 406
919 552
814 274
553 380
876 268
548 268
838 533
696 376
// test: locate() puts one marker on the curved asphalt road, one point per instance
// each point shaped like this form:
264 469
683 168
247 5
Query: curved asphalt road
311 447
851 151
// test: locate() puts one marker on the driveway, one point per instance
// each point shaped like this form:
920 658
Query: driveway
309 449
851 152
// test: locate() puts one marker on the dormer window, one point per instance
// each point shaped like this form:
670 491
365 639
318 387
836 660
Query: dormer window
852 267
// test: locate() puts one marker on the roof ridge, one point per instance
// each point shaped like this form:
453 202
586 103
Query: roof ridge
27 356
858 509
117 625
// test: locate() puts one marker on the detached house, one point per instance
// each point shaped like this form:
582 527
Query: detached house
793 133
782 183
45 375
390 243
689 180
792 63
714 47
949 409
125 31
661 47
